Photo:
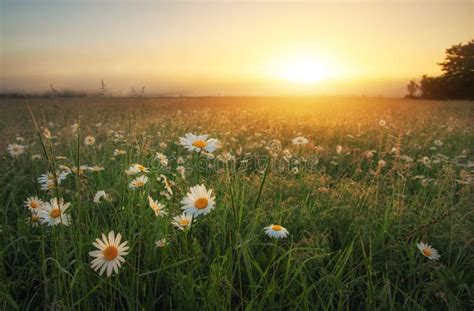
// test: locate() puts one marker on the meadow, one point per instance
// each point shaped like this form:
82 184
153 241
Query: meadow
315 204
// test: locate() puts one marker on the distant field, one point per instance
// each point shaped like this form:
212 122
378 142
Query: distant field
356 182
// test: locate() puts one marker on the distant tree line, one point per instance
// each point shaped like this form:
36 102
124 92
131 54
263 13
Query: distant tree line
457 80
52 92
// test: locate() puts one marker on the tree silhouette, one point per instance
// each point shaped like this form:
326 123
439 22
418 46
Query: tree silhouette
457 80
412 88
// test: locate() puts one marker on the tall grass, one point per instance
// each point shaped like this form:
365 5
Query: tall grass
353 224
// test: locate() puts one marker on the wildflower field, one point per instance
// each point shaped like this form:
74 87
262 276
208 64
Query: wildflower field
236 203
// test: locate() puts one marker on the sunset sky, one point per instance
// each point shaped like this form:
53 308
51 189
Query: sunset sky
228 47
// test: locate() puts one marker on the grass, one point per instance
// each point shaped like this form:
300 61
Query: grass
353 224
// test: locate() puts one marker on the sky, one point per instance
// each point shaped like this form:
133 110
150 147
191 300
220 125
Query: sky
235 48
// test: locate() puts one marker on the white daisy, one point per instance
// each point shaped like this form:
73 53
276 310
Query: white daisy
276 231
138 182
46 133
162 158
33 220
96 168
16 150
182 221
161 242
198 201
182 171
426 161
136 169
74 127
46 181
118 152
34 204
99 196
109 255
89 140
36 156
428 251
53 213
157 207
300 140
167 183
369 154
198 142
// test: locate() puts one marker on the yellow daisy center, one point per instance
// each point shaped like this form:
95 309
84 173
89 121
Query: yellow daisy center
110 252
55 213
276 227
427 252
16 149
34 218
34 204
139 183
141 167
199 144
201 203
184 222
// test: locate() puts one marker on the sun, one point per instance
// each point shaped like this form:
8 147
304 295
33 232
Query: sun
303 71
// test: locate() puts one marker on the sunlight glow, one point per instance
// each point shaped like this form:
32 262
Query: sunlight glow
304 71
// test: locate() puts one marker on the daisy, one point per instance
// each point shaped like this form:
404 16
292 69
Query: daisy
157 207
96 168
428 251
182 221
338 149
198 142
162 158
53 213
138 182
109 255
74 127
198 201
167 183
46 133
161 242
136 169
16 150
99 196
369 154
89 140
34 204
36 157
276 231
46 181
118 152
182 171
300 140
426 161
33 220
